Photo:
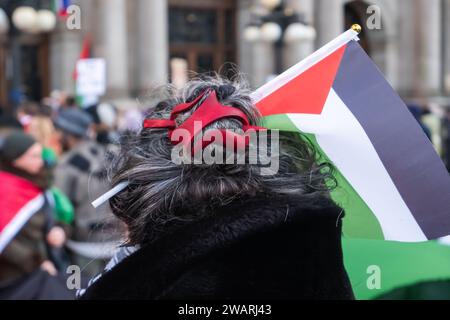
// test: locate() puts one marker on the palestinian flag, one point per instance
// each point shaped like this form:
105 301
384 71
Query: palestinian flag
19 201
392 183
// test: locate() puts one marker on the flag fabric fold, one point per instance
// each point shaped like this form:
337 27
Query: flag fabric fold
20 200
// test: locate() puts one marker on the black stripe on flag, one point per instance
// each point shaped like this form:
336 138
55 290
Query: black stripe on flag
414 166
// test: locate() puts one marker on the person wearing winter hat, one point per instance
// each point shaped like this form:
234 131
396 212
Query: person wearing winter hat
79 174
21 154
27 231
73 126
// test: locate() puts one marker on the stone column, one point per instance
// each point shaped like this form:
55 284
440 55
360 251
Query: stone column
429 46
65 48
245 48
263 62
294 52
385 44
329 20
256 59
406 49
112 45
152 43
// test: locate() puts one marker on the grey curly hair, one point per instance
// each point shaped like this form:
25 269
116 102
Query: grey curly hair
160 191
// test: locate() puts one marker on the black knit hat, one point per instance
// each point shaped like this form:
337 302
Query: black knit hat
14 145
74 121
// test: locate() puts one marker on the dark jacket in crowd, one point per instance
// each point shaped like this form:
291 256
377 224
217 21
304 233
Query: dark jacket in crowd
80 174
27 251
264 247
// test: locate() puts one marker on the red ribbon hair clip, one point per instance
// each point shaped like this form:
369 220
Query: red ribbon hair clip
209 111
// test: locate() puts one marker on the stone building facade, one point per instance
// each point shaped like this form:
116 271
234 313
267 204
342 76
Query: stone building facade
138 38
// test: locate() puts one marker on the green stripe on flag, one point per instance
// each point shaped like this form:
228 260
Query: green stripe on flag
400 264
359 221
279 121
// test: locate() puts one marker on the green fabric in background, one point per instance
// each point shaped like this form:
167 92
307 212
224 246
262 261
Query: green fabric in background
401 264
49 156
63 207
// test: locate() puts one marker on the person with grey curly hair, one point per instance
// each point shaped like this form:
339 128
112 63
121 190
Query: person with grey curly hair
222 230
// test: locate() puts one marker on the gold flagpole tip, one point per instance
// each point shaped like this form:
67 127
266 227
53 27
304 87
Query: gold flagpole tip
356 27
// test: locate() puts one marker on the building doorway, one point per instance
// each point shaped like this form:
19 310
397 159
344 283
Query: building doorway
203 33
24 60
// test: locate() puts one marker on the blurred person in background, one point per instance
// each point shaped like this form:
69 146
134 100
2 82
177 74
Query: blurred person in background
8 123
446 136
105 117
56 100
70 103
36 120
80 174
28 230
42 129
40 126
26 111
418 112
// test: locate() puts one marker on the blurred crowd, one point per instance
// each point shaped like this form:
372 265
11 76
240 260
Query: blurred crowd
434 119
62 149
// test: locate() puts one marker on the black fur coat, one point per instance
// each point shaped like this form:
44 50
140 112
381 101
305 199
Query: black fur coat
266 247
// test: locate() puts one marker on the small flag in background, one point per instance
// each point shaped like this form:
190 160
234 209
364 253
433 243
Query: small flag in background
19 202
60 7
392 183
84 54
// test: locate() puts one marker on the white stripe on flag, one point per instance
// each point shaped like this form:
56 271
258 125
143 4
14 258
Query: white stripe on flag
347 145
10 231
445 240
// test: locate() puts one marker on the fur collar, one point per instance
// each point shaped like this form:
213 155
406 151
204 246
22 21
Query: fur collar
154 270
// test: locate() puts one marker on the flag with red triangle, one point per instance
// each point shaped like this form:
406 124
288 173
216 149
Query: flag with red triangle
391 182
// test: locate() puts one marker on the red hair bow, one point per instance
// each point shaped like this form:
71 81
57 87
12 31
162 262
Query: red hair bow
209 111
